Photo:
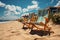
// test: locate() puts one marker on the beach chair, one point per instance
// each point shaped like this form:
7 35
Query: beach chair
28 25
31 25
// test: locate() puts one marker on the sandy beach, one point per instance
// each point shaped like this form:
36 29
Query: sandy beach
13 31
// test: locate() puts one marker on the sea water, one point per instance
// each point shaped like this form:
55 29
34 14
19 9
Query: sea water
4 21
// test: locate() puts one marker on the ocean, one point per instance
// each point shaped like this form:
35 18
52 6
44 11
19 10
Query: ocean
4 21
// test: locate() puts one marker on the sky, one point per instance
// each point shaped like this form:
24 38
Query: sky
13 9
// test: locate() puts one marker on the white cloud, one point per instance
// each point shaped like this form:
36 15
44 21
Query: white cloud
2 4
58 4
10 12
34 2
13 9
16 10
25 14
10 7
34 6
7 13
25 10
31 7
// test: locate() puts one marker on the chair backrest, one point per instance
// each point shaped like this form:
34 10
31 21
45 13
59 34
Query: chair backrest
33 19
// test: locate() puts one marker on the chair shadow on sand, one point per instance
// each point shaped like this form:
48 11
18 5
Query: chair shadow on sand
40 32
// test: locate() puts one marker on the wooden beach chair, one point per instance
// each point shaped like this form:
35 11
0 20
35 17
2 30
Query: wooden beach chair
32 25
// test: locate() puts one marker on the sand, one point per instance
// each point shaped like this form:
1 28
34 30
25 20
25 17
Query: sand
13 31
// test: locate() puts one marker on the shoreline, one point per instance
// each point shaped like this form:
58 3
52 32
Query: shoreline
5 22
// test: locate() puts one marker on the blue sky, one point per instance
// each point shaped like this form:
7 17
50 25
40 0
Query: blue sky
13 9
